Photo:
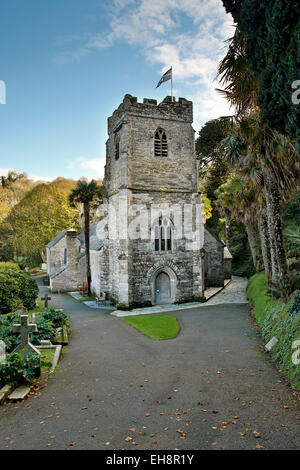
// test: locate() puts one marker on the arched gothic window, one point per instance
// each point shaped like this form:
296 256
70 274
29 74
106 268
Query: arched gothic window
117 146
160 144
163 235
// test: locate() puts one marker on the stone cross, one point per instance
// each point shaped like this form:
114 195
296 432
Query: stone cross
24 328
2 352
46 298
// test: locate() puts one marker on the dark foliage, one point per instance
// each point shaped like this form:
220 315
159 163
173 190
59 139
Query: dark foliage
272 32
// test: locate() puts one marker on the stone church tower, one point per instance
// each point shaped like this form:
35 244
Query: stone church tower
152 245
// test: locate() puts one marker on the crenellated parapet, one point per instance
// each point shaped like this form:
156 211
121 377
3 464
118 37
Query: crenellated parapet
179 110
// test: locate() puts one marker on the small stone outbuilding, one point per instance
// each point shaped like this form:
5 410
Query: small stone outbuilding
65 266
218 260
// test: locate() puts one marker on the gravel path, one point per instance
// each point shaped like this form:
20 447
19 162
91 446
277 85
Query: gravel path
210 388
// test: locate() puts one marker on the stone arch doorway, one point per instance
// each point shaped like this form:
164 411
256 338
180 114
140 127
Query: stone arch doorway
162 288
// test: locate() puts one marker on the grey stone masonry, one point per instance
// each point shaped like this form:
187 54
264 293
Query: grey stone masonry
135 176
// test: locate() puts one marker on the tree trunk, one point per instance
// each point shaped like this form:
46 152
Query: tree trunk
86 209
251 228
279 265
227 227
265 243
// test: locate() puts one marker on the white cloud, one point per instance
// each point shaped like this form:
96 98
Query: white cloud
5 171
187 34
194 52
42 178
94 165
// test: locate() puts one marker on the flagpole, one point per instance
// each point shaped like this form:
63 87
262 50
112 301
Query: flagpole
172 84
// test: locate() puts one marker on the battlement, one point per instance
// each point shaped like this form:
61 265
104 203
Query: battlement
179 110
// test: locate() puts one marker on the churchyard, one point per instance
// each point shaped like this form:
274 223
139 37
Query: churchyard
31 340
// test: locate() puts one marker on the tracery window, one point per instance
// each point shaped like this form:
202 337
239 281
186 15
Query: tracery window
117 146
163 235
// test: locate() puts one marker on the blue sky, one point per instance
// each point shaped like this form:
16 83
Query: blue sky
67 64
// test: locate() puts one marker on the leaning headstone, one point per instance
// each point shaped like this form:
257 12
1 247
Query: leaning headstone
45 342
2 352
24 329
271 343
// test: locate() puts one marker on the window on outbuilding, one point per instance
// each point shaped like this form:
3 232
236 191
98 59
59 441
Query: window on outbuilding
65 256
160 143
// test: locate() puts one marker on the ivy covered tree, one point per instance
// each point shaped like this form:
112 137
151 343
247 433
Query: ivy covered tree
213 167
271 30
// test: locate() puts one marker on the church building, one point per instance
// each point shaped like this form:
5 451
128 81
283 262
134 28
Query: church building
148 247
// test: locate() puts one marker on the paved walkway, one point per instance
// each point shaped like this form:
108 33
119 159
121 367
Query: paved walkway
233 293
210 388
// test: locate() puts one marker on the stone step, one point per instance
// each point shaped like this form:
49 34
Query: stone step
4 392
19 393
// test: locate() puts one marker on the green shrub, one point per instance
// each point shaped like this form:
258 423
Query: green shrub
7 335
279 319
8 266
9 293
19 368
21 261
134 305
16 287
237 250
56 317
45 331
295 306
186 300
28 290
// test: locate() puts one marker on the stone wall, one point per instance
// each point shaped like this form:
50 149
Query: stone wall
95 269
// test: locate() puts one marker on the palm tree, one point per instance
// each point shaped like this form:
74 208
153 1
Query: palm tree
241 84
87 193
259 151
236 197
270 159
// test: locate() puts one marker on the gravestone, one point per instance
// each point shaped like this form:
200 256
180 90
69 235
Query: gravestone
2 352
46 299
24 329
271 343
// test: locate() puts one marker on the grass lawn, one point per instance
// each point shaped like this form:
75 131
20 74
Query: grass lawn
159 326
40 307
48 355
87 298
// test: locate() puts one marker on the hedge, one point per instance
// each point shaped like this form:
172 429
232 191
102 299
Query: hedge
279 319
16 287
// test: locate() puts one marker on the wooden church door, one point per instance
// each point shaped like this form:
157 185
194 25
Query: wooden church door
162 289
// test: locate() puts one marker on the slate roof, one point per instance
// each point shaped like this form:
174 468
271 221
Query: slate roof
56 239
59 237
56 273
95 243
